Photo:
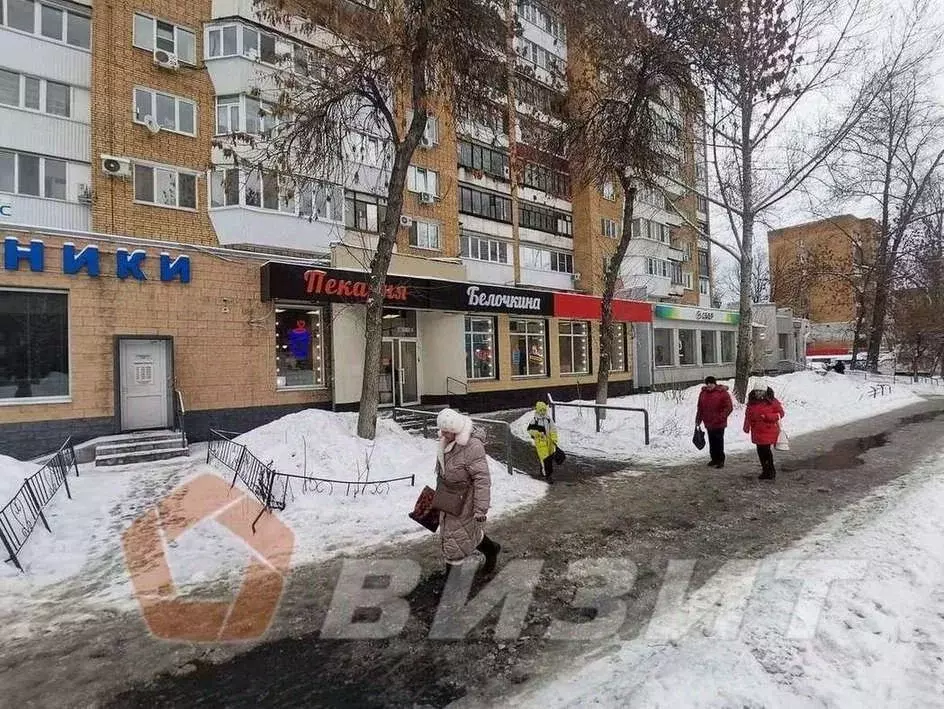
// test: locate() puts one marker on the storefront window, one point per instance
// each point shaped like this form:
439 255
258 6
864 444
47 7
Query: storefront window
574 339
664 349
528 347
480 348
727 347
687 354
618 350
299 344
399 323
709 351
34 345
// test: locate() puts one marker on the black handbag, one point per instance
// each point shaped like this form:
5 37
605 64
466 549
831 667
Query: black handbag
699 439
559 456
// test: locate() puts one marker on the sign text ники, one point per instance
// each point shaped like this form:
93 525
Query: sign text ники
128 264
318 282
477 298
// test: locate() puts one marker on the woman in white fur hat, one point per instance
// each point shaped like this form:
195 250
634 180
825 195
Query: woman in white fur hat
463 490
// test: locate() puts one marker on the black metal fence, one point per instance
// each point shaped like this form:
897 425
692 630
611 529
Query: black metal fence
19 516
597 411
273 488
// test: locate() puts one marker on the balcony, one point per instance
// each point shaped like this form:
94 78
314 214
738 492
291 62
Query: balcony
547 279
238 225
676 254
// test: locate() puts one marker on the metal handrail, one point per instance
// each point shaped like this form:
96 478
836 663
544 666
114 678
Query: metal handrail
505 426
597 409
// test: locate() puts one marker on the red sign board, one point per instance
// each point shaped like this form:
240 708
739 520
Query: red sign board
588 307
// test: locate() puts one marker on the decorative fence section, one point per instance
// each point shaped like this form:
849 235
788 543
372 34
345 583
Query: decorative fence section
597 410
19 516
272 488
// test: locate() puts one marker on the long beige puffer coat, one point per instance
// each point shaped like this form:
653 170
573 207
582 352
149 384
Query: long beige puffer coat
461 534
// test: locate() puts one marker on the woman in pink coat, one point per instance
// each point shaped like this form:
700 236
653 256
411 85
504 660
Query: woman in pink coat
762 421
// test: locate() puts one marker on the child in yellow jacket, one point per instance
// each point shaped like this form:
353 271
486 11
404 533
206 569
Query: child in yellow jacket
544 436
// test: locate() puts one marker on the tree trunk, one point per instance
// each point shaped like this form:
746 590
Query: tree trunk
609 287
877 328
742 367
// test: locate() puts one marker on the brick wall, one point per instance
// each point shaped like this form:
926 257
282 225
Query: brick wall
223 334
117 67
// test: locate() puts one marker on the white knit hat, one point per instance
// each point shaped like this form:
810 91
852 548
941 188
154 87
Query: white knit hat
760 384
451 421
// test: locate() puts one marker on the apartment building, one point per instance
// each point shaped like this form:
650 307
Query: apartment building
816 269
134 239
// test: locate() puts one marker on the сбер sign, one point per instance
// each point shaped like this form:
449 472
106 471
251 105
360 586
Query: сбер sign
128 264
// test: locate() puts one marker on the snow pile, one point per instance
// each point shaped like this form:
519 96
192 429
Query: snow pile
875 641
326 445
12 474
813 402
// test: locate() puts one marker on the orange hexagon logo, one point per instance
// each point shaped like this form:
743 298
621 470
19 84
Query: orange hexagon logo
169 616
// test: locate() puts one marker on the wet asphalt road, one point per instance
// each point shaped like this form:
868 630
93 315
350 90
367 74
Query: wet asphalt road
688 512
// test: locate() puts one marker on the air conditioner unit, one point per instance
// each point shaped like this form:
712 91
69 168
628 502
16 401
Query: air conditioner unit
165 59
427 198
150 122
406 221
426 142
506 171
116 167
576 275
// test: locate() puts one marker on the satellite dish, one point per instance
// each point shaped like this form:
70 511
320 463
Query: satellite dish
152 125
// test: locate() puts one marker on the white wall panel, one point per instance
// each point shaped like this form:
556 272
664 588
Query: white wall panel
41 57
40 133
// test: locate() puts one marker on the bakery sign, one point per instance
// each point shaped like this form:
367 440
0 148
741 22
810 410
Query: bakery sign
281 281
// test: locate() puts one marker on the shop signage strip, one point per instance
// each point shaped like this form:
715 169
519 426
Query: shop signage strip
589 307
681 312
293 282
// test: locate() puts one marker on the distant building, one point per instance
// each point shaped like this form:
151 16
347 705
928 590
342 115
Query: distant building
818 270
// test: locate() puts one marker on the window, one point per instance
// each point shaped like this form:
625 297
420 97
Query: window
224 188
78 30
539 56
608 191
657 267
299 347
541 17
227 115
686 252
259 115
150 34
528 340
702 203
166 187
664 348
618 349
364 212
687 354
321 200
484 204
703 263
244 114
171 112
561 262
653 197
422 180
546 220
34 175
609 228
687 281
480 348
709 348
543 178
482 248
676 270
648 229
538 95
35 94
424 235
365 149
727 346
477 157
222 41
34 345
574 340
782 344
704 286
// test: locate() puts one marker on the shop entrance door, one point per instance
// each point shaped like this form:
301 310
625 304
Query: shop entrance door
399 380
145 384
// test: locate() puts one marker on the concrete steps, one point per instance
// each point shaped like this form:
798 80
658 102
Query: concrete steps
140 447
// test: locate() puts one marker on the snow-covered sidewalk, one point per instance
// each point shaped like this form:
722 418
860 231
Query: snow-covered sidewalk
878 642
813 402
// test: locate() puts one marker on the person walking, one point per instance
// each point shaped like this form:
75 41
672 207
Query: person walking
463 490
714 407
544 437
762 420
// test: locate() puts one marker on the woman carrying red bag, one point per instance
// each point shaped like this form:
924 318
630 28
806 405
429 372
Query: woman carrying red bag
762 421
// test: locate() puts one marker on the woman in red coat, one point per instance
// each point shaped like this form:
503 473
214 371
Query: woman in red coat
762 421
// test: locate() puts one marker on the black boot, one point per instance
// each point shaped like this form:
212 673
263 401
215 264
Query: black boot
490 549
768 472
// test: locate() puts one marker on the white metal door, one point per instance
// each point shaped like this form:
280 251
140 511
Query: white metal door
408 373
145 384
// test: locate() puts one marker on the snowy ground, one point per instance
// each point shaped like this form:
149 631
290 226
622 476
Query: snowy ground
12 474
82 559
812 402
876 641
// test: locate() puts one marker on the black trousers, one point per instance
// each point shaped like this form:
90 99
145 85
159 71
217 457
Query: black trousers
765 454
716 444
548 466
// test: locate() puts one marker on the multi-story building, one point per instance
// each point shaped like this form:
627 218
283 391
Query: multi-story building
239 289
819 270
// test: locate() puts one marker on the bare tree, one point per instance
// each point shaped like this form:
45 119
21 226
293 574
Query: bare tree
618 126
728 283
763 61
892 160
382 72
